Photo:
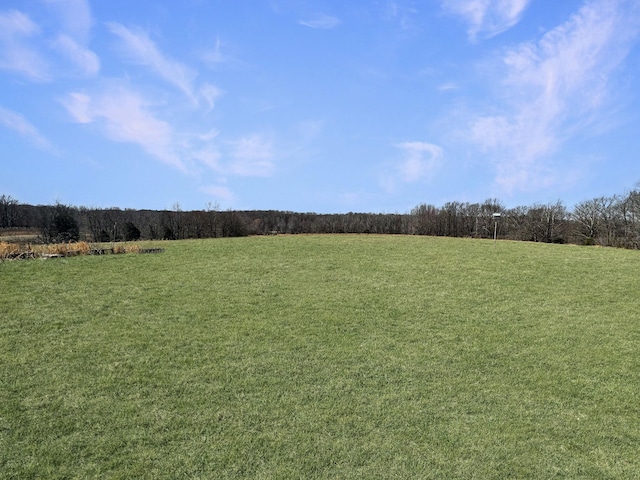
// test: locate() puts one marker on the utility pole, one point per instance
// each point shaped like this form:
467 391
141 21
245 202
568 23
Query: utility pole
496 216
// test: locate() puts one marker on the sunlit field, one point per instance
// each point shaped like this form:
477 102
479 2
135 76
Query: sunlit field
323 357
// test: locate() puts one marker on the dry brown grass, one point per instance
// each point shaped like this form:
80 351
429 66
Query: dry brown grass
13 250
58 248
83 247
133 248
7 250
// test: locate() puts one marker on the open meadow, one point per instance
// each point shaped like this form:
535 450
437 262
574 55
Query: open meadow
323 357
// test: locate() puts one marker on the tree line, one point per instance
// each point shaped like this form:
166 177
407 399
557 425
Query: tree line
607 221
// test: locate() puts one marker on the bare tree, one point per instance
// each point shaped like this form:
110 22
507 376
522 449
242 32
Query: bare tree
627 213
424 219
8 211
595 220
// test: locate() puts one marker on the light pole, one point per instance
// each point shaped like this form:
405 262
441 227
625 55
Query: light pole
496 216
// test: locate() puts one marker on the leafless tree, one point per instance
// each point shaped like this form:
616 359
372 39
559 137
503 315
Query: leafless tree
8 211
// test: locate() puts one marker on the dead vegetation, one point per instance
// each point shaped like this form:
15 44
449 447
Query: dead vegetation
22 251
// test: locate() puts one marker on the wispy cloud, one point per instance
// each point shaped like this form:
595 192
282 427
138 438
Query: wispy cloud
416 162
214 55
252 156
84 59
320 21
17 123
15 23
24 45
449 86
143 51
401 12
75 17
220 193
210 93
554 89
125 116
420 161
122 114
248 156
76 23
487 18
208 155
17 54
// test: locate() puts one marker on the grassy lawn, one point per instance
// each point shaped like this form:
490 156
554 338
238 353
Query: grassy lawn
323 357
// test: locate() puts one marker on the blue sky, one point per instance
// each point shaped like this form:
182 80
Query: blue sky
318 106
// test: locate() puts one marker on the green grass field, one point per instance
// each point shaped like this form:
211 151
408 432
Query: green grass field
323 357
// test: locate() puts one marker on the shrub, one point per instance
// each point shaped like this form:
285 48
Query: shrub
131 232
65 227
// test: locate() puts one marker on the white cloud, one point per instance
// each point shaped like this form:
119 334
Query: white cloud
125 116
79 107
75 16
210 156
19 124
21 42
252 156
320 21
209 136
76 23
420 161
220 193
555 88
400 12
214 56
447 87
16 52
210 93
14 23
487 18
87 61
143 51
140 49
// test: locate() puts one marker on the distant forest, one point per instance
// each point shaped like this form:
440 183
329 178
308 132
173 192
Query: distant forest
608 221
